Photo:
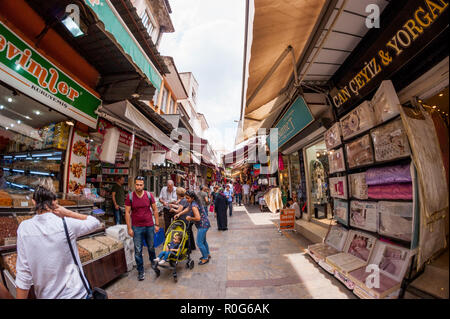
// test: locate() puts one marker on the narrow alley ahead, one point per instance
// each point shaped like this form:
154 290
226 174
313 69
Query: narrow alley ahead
250 260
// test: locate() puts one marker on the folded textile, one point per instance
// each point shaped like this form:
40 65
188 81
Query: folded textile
359 152
357 121
333 136
391 191
388 175
390 141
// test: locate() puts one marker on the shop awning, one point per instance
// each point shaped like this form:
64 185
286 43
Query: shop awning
109 46
273 26
125 111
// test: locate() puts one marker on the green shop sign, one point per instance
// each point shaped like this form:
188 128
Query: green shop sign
105 12
297 118
25 69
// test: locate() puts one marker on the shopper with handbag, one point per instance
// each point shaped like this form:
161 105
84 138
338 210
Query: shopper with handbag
45 255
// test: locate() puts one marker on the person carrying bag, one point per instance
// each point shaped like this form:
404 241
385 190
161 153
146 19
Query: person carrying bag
97 293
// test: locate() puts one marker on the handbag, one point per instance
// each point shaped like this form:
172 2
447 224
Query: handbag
211 208
97 293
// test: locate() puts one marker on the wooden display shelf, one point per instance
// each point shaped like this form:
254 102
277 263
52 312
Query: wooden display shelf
101 271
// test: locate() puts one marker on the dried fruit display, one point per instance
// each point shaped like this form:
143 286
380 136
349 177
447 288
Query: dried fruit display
5 199
8 228
96 248
23 217
85 255
66 202
9 262
112 243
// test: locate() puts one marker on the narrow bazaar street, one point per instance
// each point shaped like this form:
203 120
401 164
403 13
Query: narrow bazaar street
250 260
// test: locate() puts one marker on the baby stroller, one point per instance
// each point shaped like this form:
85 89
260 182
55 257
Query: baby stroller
183 253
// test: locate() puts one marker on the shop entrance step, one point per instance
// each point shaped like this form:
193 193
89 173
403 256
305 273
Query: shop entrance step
310 230
435 279
322 222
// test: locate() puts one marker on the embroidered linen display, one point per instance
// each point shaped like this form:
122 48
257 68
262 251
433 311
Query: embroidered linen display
390 141
338 187
391 191
333 136
357 186
385 102
336 237
359 152
336 161
389 175
395 219
340 210
357 121
392 260
363 215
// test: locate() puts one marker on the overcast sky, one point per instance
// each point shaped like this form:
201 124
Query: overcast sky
209 42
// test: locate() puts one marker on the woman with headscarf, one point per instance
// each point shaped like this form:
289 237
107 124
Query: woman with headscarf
220 209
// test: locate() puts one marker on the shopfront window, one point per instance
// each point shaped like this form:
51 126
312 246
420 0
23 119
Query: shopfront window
317 175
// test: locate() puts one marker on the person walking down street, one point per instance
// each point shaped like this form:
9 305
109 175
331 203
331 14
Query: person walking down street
238 193
229 195
118 197
246 192
220 209
200 217
182 210
168 196
43 252
204 197
139 206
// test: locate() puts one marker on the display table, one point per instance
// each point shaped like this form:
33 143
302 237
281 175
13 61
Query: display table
103 270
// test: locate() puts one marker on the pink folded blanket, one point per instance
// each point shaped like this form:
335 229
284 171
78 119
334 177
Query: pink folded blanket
391 191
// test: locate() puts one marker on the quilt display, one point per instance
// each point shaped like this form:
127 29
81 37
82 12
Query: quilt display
390 141
333 244
391 191
395 219
364 215
333 136
392 261
389 175
357 186
385 102
338 187
112 243
336 161
340 210
357 251
359 152
361 119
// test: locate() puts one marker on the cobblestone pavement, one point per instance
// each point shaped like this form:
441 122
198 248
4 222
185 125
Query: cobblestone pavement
250 260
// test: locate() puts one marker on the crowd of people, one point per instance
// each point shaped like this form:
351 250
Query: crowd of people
142 219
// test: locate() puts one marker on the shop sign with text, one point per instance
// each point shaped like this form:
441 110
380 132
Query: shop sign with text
24 68
416 24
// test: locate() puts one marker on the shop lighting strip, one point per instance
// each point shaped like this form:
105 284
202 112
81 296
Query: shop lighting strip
8 156
42 155
20 156
18 170
41 173
54 158
5 169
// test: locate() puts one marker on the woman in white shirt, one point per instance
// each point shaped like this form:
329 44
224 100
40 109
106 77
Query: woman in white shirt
43 254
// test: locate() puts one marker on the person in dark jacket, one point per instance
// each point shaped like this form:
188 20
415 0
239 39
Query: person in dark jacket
220 209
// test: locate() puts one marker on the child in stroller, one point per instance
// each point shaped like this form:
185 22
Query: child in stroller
175 250
173 246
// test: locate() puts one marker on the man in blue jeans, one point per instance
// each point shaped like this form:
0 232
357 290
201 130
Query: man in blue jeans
229 195
138 215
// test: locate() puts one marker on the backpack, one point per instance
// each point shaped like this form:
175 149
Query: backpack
149 195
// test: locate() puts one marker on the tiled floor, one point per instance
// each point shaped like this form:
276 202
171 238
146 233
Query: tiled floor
250 260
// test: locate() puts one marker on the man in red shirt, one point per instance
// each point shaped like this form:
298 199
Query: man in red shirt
138 215
238 192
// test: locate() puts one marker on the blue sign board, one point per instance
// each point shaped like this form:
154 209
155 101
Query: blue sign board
293 121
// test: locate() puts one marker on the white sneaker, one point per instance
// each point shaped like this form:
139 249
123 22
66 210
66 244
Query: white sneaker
161 262
156 259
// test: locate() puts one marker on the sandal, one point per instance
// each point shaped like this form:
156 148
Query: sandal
203 261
